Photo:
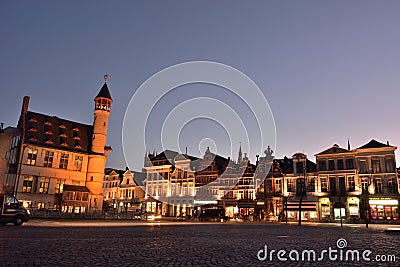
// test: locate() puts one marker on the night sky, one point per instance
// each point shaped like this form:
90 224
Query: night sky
329 69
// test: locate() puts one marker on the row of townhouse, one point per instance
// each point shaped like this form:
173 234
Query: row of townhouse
347 184
344 184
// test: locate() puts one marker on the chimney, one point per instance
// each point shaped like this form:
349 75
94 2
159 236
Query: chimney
1 127
387 142
24 110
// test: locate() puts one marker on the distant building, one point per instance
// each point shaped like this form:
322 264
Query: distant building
359 183
51 154
122 194
6 138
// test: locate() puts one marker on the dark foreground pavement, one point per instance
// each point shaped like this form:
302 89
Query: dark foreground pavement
48 243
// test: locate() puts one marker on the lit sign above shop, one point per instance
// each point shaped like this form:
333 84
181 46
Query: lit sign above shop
383 201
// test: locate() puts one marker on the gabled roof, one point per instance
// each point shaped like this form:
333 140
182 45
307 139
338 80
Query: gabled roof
54 132
104 92
335 149
374 144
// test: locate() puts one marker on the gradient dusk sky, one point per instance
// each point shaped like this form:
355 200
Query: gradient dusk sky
330 70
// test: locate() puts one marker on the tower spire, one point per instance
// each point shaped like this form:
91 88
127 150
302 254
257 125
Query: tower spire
240 153
348 144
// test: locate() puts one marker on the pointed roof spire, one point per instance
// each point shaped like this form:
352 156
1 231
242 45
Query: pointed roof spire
240 153
348 144
104 92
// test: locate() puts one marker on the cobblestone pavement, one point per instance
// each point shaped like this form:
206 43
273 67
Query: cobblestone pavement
81 243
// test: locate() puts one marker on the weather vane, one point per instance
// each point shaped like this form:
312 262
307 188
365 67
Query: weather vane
105 77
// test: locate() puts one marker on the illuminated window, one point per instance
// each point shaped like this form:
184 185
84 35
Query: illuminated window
32 155
48 159
41 205
78 163
75 182
278 187
27 184
324 184
59 186
351 184
44 185
290 185
64 160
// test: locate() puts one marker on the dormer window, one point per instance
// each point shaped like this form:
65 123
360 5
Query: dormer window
62 126
48 123
33 120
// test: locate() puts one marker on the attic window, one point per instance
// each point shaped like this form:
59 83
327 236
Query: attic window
64 144
48 123
62 126
48 132
33 139
63 135
49 142
33 120
78 147
75 129
33 129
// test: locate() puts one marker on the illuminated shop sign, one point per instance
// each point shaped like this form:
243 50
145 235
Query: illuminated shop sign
383 201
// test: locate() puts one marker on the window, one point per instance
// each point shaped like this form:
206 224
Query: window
27 184
48 159
64 160
41 205
300 167
300 186
378 185
322 165
331 165
44 185
32 155
364 184
324 184
376 166
349 164
363 166
278 187
78 163
340 165
389 165
311 185
59 186
332 185
290 185
391 184
351 184
75 182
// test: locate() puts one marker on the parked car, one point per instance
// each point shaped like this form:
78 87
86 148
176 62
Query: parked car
213 215
11 211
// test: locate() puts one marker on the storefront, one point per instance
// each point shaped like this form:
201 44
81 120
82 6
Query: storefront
325 209
384 208
308 209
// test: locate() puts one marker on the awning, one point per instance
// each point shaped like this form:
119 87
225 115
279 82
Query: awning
309 203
